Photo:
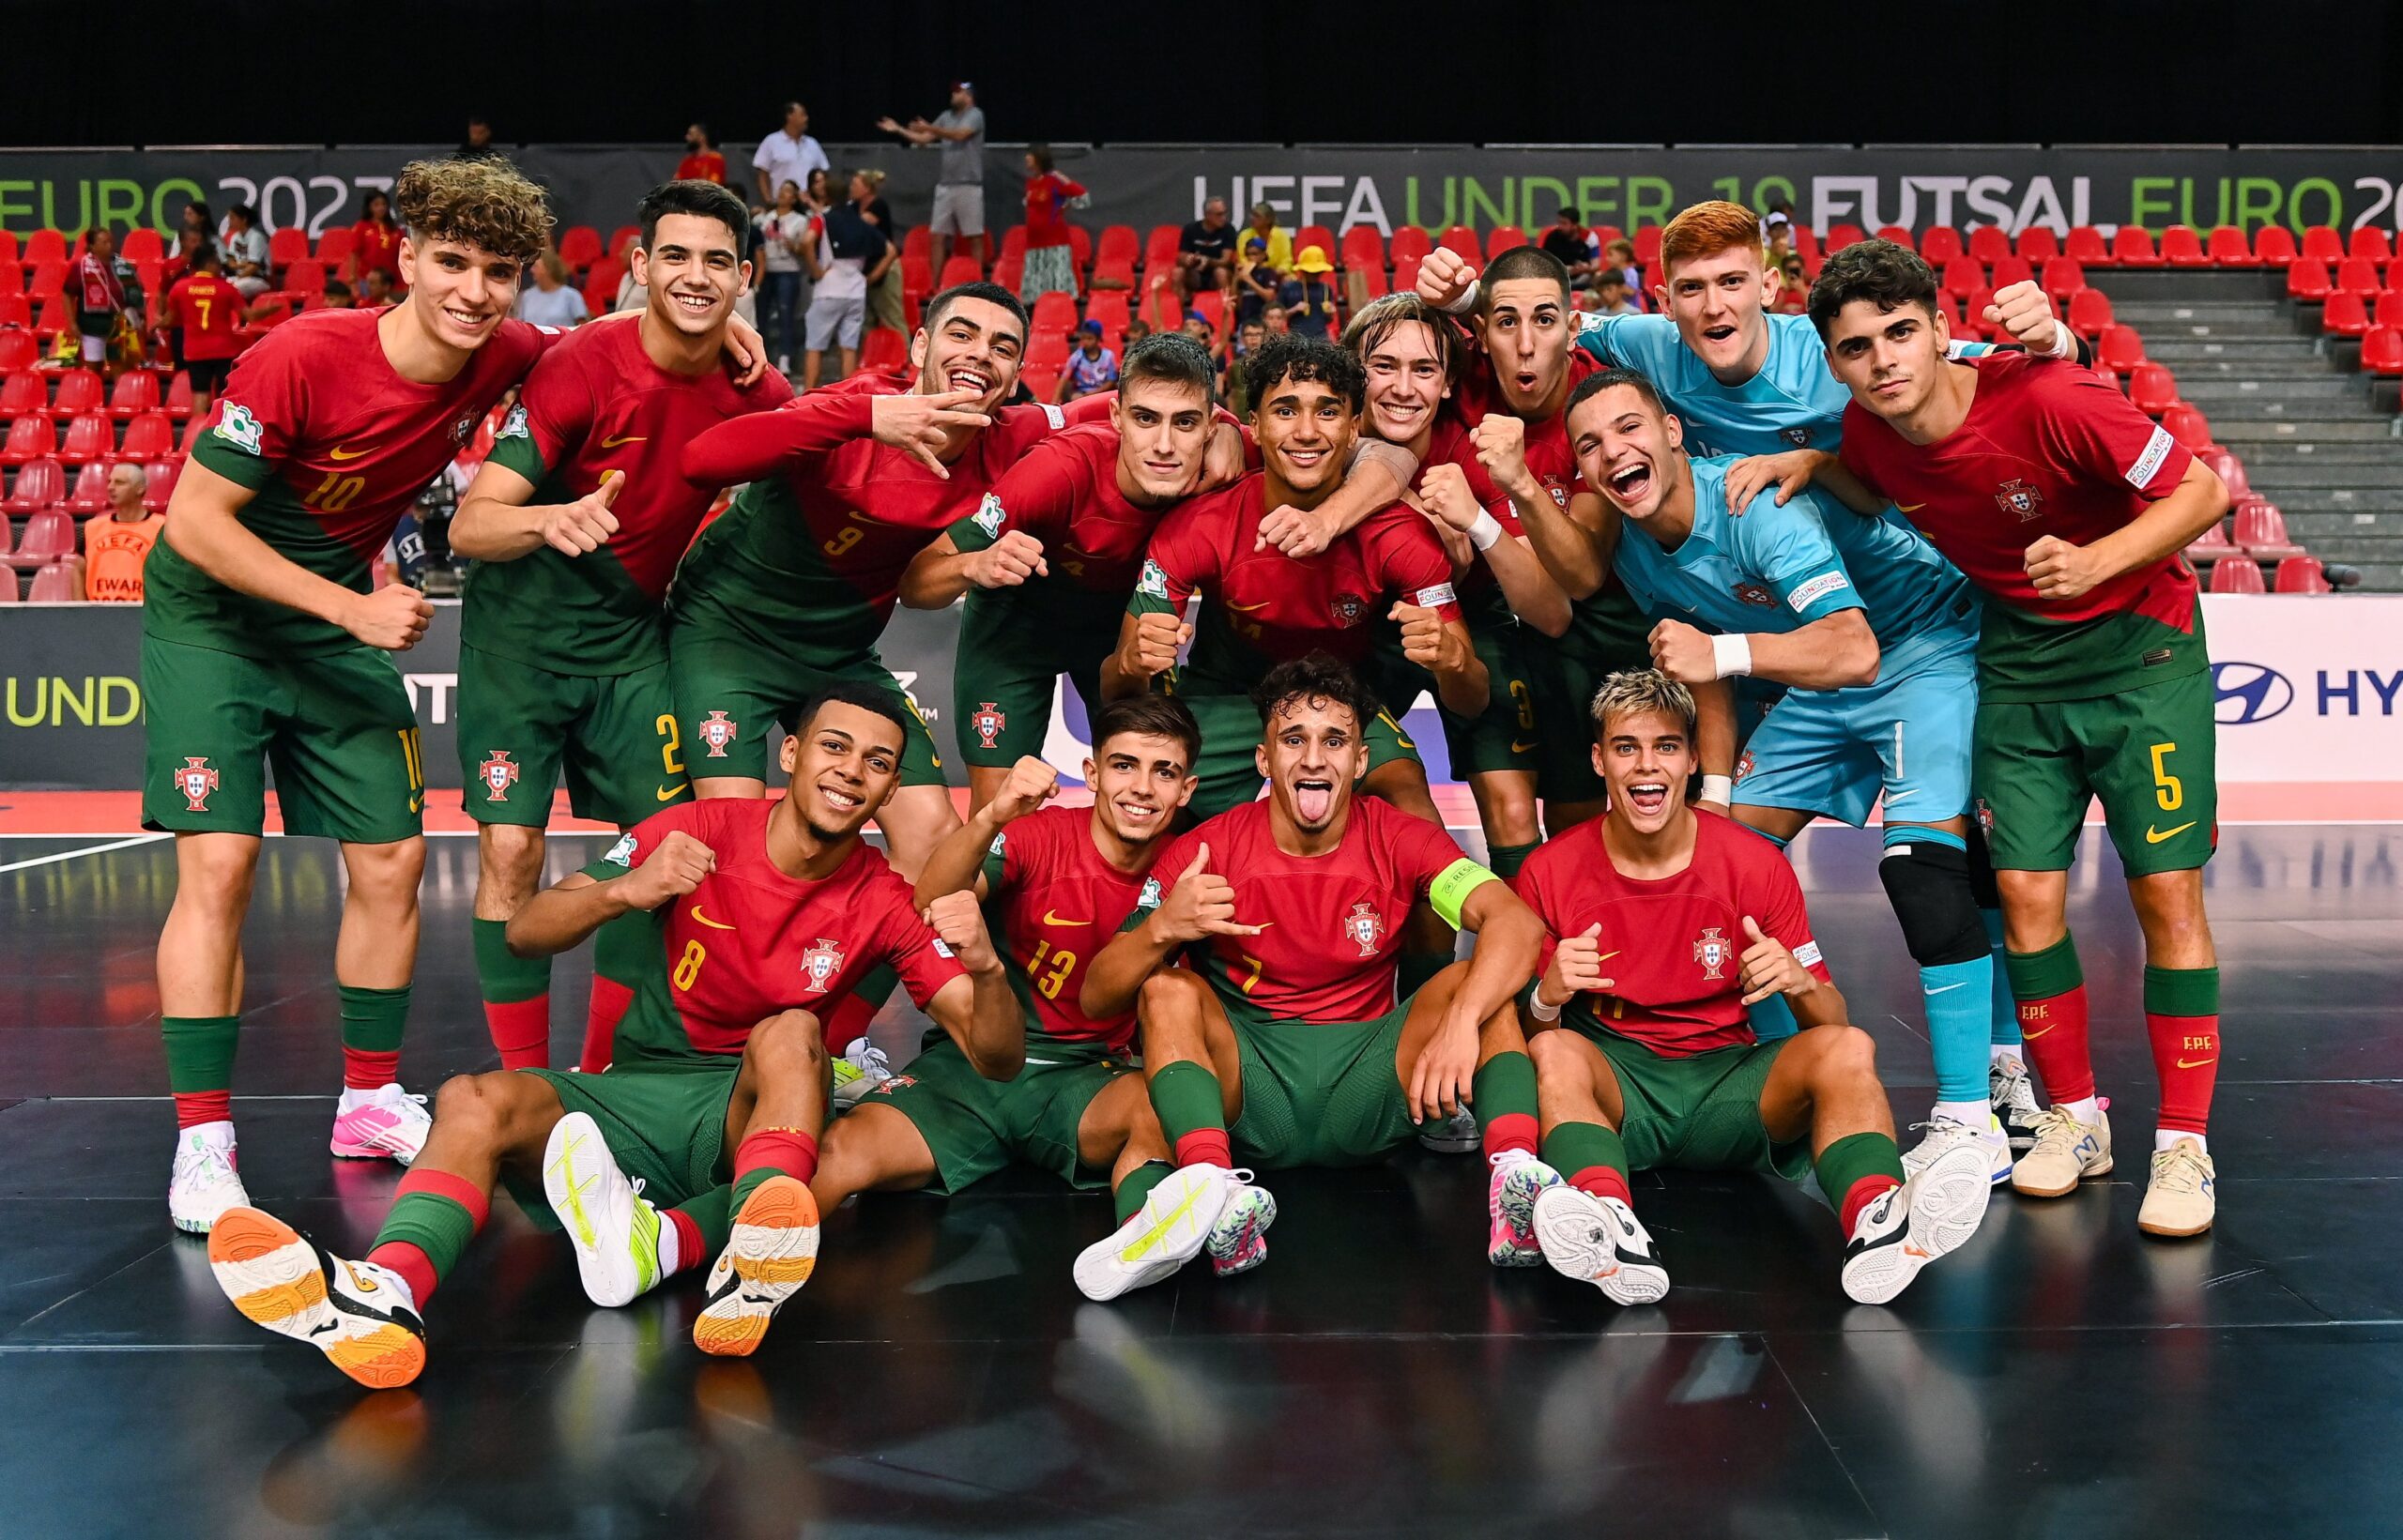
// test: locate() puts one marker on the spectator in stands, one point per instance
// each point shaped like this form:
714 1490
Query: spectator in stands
783 231
787 155
378 288
959 180
818 194
376 239
1050 261
553 301
337 297
1280 243
1257 280
885 307
702 162
1275 322
849 256
1610 294
479 145
1620 254
1779 244
204 310
1137 329
1308 295
1234 383
1793 290
102 295
114 547
1574 245
1196 326
245 247
1206 252
1092 367
196 220
1779 211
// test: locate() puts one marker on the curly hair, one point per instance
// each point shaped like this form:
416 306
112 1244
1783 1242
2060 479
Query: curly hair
1294 356
485 204
1318 678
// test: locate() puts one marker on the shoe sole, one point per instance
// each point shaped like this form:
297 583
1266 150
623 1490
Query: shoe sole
202 1227
2084 1174
1566 1233
607 1269
273 1276
1101 1270
772 1249
1239 1257
1948 1203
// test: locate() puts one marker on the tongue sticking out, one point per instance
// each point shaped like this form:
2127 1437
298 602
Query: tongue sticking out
1314 803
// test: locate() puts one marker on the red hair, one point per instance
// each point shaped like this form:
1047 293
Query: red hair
1707 229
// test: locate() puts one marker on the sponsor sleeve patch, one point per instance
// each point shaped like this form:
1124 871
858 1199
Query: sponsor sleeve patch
1001 843
622 852
2157 450
514 426
1434 598
1057 418
1816 589
990 516
941 948
1153 581
237 427
1453 885
1807 954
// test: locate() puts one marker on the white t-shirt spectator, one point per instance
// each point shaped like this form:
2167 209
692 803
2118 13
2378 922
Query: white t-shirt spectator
562 307
786 159
776 257
249 246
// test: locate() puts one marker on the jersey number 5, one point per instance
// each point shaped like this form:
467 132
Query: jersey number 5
2167 791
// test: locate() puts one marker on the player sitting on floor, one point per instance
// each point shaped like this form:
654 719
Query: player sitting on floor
720 1079
1280 1043
1667 924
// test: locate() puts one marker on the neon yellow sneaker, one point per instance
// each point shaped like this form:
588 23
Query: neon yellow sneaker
1167 1231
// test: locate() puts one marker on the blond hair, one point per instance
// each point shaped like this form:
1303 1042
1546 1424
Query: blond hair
485 204
1640 692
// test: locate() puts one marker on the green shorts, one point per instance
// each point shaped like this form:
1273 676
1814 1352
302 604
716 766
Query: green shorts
1011 653
2149 754
1319 1094
977 1126
520 726
665 1128
1230 772
336 729
730 691
1504 736
1701 1113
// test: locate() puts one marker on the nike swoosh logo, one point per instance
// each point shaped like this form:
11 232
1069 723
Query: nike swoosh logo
2154 836
629 438
696 912
1517 747
1246 609
1159 1232
669 794
1607 956
2195 1064
1050 918
1945 989
348 454
1908 508
2033 1036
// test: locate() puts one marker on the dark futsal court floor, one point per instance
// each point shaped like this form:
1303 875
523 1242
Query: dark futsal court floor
2060 1376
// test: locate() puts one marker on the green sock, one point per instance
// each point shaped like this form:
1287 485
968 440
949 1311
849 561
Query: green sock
714 1213
1506 859
1853 1157
1137 1186
1573 1149
504 977
1504 1094
200 1052
2181 991
2043 975
373 1019
622 948
439 1227
1187 1098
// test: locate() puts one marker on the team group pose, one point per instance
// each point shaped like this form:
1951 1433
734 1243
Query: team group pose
1677 585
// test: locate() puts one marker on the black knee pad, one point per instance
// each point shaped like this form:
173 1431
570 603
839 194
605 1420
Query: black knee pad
1982 886
1928 884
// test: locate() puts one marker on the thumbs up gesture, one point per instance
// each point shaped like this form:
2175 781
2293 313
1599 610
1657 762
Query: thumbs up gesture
1576 969
586 524
1769 969
1200 906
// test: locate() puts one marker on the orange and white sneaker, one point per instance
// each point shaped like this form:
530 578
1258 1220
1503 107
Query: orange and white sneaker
358 1314
768 1257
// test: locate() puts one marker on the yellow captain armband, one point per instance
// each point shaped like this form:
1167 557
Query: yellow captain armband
1452 886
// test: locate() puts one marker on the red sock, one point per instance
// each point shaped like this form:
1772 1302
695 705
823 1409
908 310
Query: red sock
609 1001
364 1069
1206 1147
850 1020
521 1029
1603 1181
1511 1131
688 1239
2054 1030
1868 1190
414 1266
2185 1054
788 1150
194 1107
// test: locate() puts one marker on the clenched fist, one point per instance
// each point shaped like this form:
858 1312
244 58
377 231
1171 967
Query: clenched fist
1033 783
673 869
391 619
958 921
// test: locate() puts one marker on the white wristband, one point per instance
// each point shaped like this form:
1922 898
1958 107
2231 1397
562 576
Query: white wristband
1720 789
1465 303
1485 532
1731 656
1536 1008
2064 341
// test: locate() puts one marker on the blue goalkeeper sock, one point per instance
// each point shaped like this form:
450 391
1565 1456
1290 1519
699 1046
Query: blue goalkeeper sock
2004 1029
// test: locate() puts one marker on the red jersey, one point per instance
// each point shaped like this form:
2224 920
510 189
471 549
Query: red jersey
750 941
1264 606
208 311
1671 947
336 446
1045 195
1065 493
1059 905
1334 921
702 166
375 247
598 404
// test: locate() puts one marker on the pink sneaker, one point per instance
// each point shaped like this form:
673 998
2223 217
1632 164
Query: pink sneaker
1517 1181
386 1124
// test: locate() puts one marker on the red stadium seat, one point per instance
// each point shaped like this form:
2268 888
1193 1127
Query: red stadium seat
307 277
1605 234
620 236
2210 544
90 493
2132 247
336 246
1373 280
2089 312
1008 271
2387 311
1363 247
2039 243
1117 272
917 279
1117 240
1108 306
1973 313
1054 312
149 437
44 246
2382 351
919 241
49 535
78 392
2346 316
2152 388
287 246
1319 237
55 318
2307 280
1014 241
2010 270
1989 243
2182 247
9 256
1963 277
161 476
1042 380
2302 574
2063 277
1502 237
25 393
2370 244
2236 575
2229 248
2273 246
60 583
180 396
1405 273
2358 275
2322 244
2189 427
30 439
18 351
1212 304
46 280
1896 234
1647 241
2261 529
1939 244
16 310
2231 471
1159 248
1462 239
142 245
88 438
958 270
1839 236
136 391
41 483
884 349
2087 245
581 246
12 278
8 594
1080 247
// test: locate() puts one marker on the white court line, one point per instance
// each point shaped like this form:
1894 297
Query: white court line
87 850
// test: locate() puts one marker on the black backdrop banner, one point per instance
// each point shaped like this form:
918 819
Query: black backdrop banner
2013 187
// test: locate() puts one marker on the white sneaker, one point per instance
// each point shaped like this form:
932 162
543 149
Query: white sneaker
1238 1240
862 1067
1945 1133
2012 1096
1518 1179
614 1229
204 1183
1911 1225
2178 1201
1167 1231
358 1314
1599 1241
386 1124
2066 1153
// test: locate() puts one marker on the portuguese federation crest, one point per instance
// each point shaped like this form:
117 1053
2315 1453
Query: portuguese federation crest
1366 926
2016 497
196 780
989 720
498 775
718 733
821 964
1713 952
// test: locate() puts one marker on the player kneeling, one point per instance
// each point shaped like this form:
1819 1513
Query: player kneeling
720 1079
1280 1042
1670 923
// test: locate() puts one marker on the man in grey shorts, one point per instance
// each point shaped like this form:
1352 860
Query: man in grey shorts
959 185
850 254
